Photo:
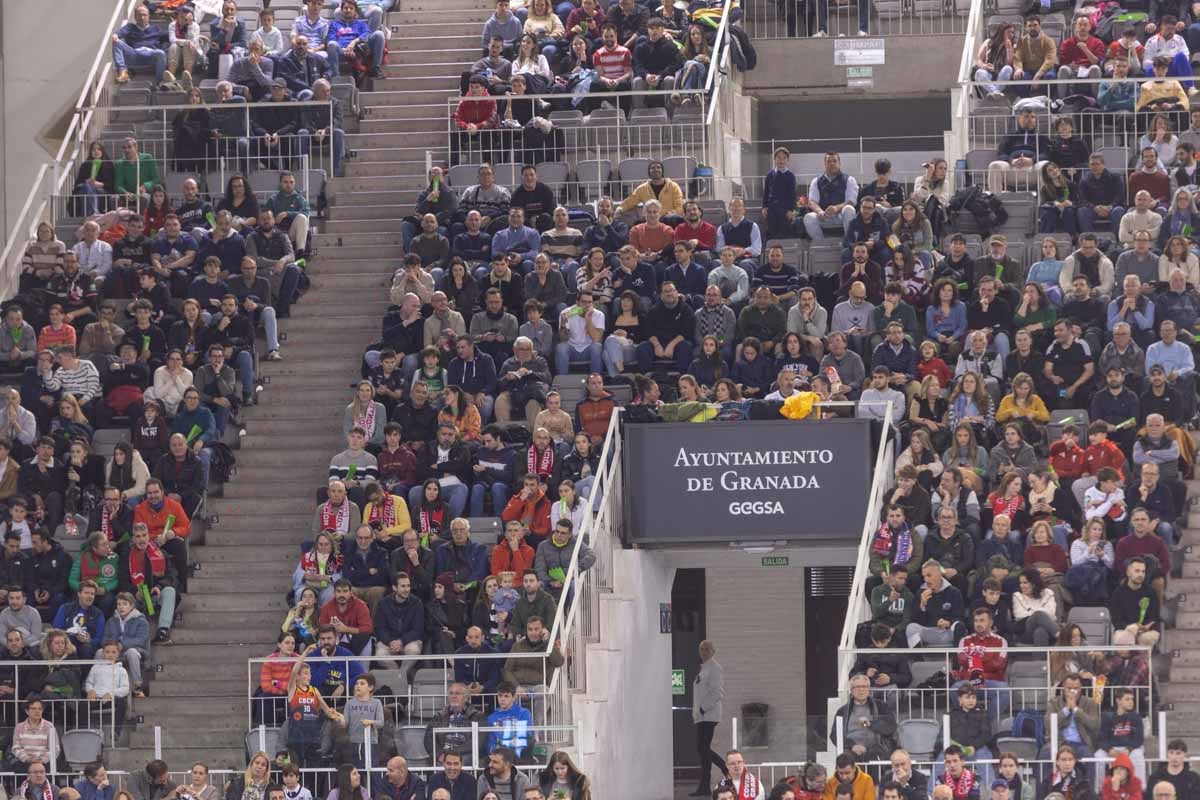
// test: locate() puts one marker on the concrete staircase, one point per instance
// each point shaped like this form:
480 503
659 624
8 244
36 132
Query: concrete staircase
235 602
1181 644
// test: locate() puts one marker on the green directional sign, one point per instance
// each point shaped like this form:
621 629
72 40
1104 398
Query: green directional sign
678 685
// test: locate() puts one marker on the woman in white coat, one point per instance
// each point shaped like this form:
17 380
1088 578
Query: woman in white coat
708 694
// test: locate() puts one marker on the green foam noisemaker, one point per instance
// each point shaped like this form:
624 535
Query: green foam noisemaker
193 433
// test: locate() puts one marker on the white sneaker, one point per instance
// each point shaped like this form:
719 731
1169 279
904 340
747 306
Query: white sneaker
863 33
820 35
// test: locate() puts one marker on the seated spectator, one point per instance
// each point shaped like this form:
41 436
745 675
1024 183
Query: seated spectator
831 198
82 620
149 576
323 124
1091 565
493 330
593 412
872 736
130 629
140 44
338 515
1069 776
272 250
1034 610
523 381
554 556
1120 738
386 514
366 566
531 505
937 619
290 210
98 564
348 616
181 474
346 29
665 191
366 414
1157 498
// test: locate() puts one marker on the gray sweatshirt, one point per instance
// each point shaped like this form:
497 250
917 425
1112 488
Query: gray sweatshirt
28 621
356 711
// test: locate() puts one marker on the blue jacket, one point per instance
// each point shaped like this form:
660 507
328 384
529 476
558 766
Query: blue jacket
71 614
691 284
498 466
478 375
357 567
515 721
230 250
610 238
779 190
484 671
136 632
152 36
344 32
90 791
331 672
473 558
465 788
873 232
403 621
760 372
185 419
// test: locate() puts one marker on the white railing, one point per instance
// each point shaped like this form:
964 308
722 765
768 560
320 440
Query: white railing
718 75
90 115
858 604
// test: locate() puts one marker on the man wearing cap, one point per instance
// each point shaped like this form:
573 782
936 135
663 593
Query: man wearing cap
1003 267
1175 357
276 125
1160 398
1000 789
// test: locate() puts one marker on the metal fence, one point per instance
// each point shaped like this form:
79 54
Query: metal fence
789 19
67 710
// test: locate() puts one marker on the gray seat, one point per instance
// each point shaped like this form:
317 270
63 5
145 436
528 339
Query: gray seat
918 737
679 168
1023 747
649 116
410 743
173 182
508 174
632 171
1095 623
566 119
977 164
263 182
82 747
1116 159
463 175
555 175
253 742
105 440
486 530
592 176
1062 417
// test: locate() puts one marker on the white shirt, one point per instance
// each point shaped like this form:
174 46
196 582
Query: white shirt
443 454
577 335
95 259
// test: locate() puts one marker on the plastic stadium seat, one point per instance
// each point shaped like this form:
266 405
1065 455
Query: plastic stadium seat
1063 241
104 440
1077 416
486 530
508 174
264 182
566 119
604 116
633 170
1023 747
463 175
592 176
649 116
918 737
410 743
252 743
1095 623
977 164
680 168
82 747
1116 159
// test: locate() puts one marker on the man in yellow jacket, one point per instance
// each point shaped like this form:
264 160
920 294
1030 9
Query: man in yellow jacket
660 188
1036 56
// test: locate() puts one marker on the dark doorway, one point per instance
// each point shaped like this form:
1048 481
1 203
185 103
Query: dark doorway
826 590
687 631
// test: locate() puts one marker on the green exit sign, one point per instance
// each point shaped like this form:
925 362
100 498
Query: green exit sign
678 686
774 561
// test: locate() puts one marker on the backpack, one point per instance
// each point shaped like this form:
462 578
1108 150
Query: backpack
984 206
1105 22
1030 723
223 462
741 50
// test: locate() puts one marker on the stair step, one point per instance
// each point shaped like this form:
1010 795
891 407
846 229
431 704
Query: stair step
244 554
236 601
463 41
409 20
385 110
1191 569
248 631
361 226
328 242
426 29
237 649
380 209
412 165
155 707
430 82
143 736
429 125
451 66
440 5
366 145
203 685
283 535
1188 620
340 282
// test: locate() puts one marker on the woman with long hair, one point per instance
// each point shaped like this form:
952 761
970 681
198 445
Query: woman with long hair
155 213
1178 255
127 472
1046 271
753 371
1160 138
546 27
461 413
912 273
530 63
932 190
922 457
1035 611
69 424
971 403
349 785
302 619
42 260
271 704
623 334
595 275
484 614
85 478
319 568
946 317
994 60
1006 498
94 180
1023 407
460 287
561 779
240 202
192 129
365 412
252 783
967 456
696 58
1085 664
707 366
581 464
1092 558
913 230
431 515
445 618
792 355
198 786
927 412
1036 315
1056 202
571 505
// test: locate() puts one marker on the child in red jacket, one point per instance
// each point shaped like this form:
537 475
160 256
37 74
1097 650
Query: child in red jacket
1122 784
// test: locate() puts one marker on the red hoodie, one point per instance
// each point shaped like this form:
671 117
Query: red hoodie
1067 462
1131 789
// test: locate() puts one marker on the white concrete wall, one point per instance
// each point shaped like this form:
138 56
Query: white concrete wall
626 714
760 645
46 50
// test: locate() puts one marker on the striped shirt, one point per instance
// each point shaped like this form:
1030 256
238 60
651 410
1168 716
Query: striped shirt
83 381
614 63
567 242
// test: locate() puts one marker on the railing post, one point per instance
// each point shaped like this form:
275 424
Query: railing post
734 735
474 742
367 755
158 742
839 730
262 738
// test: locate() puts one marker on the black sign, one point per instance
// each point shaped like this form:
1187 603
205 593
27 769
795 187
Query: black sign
746 481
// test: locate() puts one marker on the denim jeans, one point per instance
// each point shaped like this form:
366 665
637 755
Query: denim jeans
266 315
90 202
985 77
618 350
683 356
308 141
1088 219
126 57
499 492
812 222
564 352
245 365
284 284
377 42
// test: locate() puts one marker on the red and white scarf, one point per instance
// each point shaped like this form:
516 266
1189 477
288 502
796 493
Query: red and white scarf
106 523
153 558
47 790
336 519
750 788
367 421
541 467
383 510
431 519
961 786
